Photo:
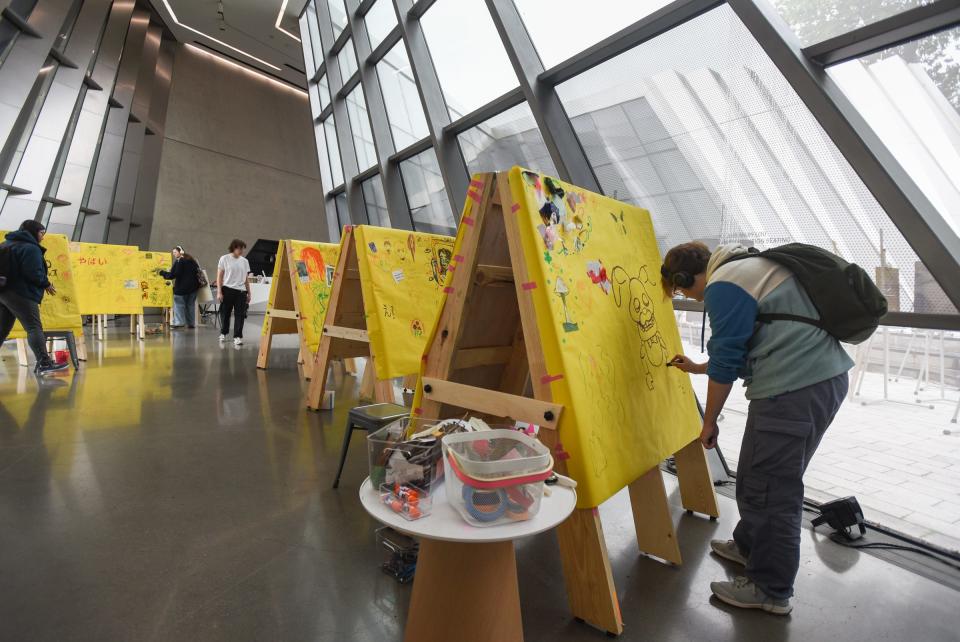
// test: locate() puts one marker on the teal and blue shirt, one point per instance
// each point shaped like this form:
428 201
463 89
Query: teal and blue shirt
771 358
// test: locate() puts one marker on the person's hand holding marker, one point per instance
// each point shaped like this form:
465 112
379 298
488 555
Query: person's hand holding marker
680 362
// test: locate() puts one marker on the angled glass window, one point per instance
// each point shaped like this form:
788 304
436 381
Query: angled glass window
376 202
347 59
360 127
313 38
699 127
333 151
323 89
509 138
817 20
323 155
559 34
380 21
404 110
343 214
338 16
910 95
468 81
426 195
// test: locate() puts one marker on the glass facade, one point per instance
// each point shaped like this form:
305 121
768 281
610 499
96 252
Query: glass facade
698 125
375 201
402 100
338 16
814 21
360 126
333 151
509 138
910 95
347 60
426 194
551 30
380 21
466 82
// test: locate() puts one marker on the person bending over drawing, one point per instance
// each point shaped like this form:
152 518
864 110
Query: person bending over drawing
25 280
796 378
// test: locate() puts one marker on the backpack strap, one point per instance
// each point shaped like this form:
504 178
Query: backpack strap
773 316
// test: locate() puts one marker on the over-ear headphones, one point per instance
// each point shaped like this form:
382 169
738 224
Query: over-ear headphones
681 279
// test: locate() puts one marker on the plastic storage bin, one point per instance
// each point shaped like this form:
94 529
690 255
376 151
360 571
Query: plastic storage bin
495 476
395 459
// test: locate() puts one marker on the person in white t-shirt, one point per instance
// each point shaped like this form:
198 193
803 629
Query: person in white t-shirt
233 291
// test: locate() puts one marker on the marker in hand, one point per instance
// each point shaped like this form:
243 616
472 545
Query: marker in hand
675 360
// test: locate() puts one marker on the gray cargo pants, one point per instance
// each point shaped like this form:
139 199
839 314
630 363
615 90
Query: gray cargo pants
781 435
14 307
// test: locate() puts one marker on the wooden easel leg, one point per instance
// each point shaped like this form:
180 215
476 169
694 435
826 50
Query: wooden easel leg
266 339
368 381
481 579
586 569
696 484
22 358
383 391
81 346
651 517
141 327
133 324
318 382
350 366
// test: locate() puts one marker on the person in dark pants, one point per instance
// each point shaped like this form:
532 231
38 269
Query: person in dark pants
183 273
796 379
23 291
233 291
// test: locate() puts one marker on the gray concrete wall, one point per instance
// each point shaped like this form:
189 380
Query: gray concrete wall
238 161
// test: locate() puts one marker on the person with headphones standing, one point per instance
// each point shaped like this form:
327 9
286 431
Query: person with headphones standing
795 374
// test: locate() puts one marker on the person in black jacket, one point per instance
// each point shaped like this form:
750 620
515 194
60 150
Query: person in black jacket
21 296
184 274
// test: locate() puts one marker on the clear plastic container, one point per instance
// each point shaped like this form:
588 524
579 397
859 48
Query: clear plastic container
406 500
495 477
394 458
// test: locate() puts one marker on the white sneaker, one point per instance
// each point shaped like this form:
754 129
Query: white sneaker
727 549
223 338
237 341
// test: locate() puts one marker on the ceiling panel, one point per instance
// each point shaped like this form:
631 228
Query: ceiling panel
247 33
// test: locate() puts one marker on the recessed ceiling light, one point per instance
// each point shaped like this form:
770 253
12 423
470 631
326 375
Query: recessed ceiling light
219 42
283 9
245 68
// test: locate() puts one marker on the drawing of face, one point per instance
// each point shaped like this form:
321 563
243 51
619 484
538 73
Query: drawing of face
445 255
633 291
314 261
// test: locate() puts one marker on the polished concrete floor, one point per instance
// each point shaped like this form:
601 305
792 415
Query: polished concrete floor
171 491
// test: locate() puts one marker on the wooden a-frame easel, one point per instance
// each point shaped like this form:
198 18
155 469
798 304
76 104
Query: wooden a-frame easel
283 315
486 356
345 331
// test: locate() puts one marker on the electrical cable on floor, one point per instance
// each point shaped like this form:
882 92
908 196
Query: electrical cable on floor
838 538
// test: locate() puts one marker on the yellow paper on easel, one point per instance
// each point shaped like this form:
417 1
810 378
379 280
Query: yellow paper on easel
57 312
155 291
107 278
314 267
402 276
607 333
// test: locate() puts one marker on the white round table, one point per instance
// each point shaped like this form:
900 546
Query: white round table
466 582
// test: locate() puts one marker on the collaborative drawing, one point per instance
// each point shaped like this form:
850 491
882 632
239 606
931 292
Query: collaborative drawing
402 275
607 332
155 291
108 278
634 293
59 311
